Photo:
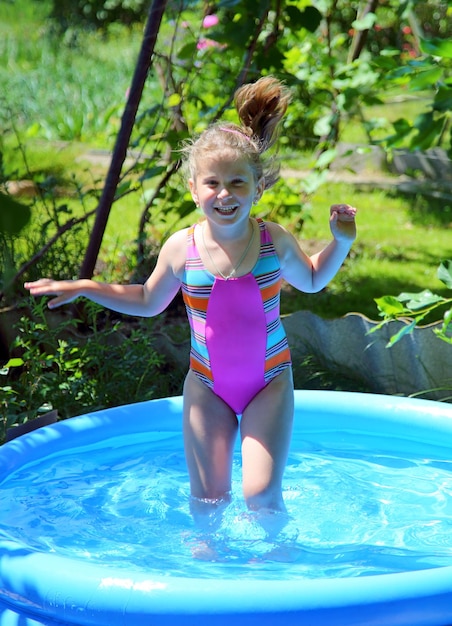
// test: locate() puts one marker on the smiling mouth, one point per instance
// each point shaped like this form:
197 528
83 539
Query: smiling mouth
226 210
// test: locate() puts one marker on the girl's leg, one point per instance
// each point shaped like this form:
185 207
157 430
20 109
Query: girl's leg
266 429
210 428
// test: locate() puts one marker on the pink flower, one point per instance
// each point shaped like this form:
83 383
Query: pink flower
206 43
210 20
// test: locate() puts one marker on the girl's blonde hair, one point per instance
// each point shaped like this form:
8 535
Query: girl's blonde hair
260 107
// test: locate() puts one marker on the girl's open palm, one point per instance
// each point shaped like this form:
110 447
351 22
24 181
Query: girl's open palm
65 290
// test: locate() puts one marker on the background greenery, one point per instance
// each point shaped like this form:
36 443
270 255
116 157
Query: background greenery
65 69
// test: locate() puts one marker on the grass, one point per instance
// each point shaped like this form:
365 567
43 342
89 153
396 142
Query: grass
83 84
393 251
395 106
31 15
84 88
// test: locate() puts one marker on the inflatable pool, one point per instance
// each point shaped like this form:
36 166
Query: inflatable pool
95 526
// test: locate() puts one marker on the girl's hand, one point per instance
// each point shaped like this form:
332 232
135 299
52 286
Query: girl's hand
66 290
342 222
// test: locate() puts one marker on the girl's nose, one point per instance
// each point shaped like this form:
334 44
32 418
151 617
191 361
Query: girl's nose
223 193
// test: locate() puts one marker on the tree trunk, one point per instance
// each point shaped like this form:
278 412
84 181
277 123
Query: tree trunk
122 141
359 41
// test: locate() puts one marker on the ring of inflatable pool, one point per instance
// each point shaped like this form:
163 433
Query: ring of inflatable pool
45 589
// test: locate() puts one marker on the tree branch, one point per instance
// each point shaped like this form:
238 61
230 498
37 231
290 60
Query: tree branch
359 41
38 255
122 141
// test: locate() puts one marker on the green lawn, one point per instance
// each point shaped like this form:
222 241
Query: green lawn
395 250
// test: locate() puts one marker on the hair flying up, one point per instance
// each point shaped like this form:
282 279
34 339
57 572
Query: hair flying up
260 107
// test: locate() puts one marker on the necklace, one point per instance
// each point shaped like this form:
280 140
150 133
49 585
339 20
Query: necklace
242 258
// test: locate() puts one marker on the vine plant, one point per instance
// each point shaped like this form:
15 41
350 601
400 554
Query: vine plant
413 308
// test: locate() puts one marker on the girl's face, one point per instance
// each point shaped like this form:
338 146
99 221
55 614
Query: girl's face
225 188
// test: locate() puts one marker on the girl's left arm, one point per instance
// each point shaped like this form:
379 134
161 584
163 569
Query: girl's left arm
311 274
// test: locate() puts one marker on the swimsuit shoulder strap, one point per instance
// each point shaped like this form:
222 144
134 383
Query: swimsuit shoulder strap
195 272
192 250
266 238
267 247
191 240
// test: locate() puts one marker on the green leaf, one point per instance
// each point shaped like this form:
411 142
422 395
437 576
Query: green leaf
366 22
428 129
445 273
151 172
441 332
377 327
326 158
227 4
313 181
421 300
447 319
124 188
311 18
13 215
294 17
437 47
17 362
402 128
426 78
443 99
234 33
323 125
33 130
270 58
405 330
390 306
188 51
174 100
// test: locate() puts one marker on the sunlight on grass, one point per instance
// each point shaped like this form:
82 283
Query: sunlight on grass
42 157
396 106
30 13
59 91
391 253
54 92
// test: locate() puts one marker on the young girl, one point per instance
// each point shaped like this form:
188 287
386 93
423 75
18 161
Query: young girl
230 267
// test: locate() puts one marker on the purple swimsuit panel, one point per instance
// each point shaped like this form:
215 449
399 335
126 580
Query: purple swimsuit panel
236 344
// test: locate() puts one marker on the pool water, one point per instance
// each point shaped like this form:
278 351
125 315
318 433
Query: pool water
353 511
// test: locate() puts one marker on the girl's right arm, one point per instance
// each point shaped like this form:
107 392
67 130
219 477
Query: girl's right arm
142 300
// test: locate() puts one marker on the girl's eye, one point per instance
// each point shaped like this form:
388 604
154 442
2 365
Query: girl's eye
236 182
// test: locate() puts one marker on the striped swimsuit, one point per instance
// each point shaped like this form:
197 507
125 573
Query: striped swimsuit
238 343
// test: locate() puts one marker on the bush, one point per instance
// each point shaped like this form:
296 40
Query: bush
60 368
98 14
